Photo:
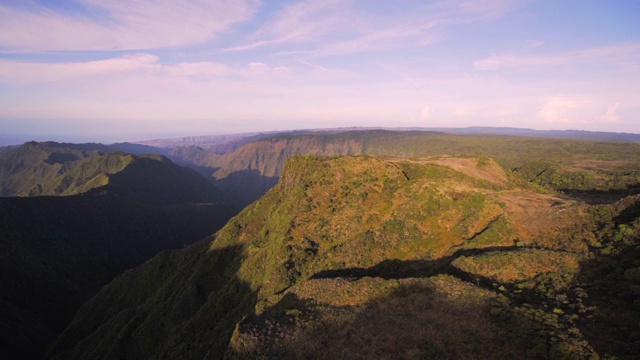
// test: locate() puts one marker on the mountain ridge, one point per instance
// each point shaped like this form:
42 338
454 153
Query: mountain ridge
84 217
269 284
36 169
246 173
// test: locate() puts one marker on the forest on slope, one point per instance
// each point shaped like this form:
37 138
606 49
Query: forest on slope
530 244
440 257
247 171
74 217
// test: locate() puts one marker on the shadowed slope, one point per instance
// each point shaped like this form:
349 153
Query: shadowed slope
421 229
56 252
115 211
152 320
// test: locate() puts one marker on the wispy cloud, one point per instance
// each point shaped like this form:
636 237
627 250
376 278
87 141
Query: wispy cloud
20 72
304 22
38 72
340 27
610 53
496 62
534 44
122 24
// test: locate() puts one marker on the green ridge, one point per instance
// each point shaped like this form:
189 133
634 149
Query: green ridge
384 257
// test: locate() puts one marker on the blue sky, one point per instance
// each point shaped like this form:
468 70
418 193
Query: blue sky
93 70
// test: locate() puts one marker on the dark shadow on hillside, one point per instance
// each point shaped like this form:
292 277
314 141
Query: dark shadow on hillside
403 269
437 318
60 158
629 213
205 171
612 283
183 304
597 197
139 149
245 186
154 182
435 311
57 252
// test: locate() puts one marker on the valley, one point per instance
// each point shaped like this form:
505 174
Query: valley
83 217
371 243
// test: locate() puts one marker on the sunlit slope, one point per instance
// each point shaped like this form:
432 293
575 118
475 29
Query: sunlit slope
25 167
250 170
362 251
52 169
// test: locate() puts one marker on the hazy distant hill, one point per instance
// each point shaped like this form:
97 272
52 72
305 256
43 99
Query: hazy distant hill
218 144
83 217
36 169
226 140
24 167
447 257
222 144
558 134
249 171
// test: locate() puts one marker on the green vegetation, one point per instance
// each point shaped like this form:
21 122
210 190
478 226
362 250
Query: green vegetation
433 257
115 211
28 167
51 169
249 171
372 244
583 176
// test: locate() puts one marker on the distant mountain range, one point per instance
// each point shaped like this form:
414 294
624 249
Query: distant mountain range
249 167
557 134
226 141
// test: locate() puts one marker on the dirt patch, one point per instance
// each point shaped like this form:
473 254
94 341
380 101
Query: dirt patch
543 219
479 168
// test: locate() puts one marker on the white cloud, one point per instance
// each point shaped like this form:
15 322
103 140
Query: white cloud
561 109
555 109
496 62
534 43
611 115
19 72
623 52
306 21
484 9
334 27
33 72
123 24
425 114
198 69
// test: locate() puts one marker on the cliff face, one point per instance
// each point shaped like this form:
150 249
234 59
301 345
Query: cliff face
248 171
370 257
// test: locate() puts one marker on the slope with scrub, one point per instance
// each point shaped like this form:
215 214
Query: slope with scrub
575 166
433 257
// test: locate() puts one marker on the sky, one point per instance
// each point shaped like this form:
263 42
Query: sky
124 70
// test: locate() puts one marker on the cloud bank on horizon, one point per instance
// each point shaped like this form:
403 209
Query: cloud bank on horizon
124 70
